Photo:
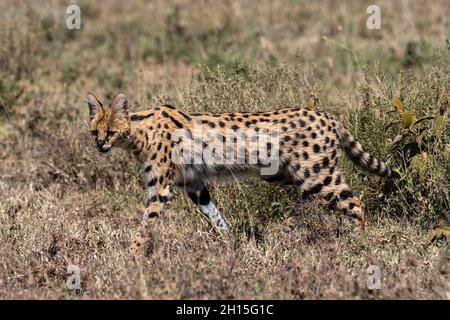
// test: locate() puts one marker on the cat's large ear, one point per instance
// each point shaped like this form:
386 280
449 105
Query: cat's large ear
120 105
94 105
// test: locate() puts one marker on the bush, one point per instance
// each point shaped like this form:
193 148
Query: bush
406 122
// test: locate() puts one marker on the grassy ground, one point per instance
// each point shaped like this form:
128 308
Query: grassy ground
64 204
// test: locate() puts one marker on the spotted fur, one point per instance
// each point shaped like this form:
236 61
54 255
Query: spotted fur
309 152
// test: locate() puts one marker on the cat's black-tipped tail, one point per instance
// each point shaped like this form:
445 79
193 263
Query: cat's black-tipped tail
363 158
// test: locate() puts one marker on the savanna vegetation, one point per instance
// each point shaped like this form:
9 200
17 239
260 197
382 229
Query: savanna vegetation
62 203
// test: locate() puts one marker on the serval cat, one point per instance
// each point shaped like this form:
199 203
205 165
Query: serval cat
178 149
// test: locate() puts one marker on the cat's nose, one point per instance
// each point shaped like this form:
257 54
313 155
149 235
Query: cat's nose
100 143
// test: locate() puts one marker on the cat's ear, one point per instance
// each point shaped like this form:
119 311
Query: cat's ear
120 105
94 105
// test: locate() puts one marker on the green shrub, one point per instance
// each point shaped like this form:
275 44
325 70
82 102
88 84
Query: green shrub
405 121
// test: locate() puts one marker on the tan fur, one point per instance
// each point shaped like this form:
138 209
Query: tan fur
310 145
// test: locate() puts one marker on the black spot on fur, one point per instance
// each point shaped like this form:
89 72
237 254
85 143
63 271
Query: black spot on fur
306 173
338 180
163 199
152 182
316 148
333 154
329 195
345 194
176 122
327 180
184 115
331 171
315 189
316 168
136 117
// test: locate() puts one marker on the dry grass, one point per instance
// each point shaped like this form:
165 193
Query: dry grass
62 203
187 260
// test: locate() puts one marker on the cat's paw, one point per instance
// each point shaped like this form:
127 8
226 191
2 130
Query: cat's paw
137 244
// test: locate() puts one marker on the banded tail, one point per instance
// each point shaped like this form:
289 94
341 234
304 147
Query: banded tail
363 158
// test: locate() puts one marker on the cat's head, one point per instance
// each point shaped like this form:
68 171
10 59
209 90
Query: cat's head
109 125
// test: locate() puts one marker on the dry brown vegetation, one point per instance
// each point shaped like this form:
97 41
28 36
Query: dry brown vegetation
62 203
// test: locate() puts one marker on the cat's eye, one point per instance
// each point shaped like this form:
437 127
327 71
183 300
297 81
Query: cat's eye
94 132
110 133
